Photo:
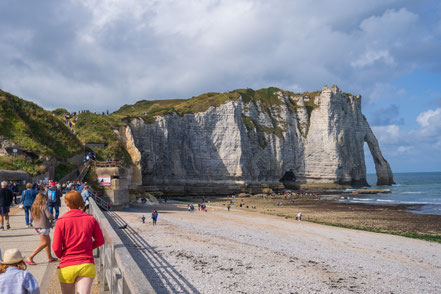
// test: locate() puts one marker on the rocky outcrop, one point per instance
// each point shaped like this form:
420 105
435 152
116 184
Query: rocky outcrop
316 137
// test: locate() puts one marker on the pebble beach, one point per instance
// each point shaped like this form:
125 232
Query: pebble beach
222 251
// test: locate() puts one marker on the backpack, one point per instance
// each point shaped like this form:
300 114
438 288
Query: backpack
53 196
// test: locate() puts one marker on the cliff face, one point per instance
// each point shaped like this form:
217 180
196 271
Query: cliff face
317 137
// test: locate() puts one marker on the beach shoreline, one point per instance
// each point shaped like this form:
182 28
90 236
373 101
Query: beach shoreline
384 218
246 251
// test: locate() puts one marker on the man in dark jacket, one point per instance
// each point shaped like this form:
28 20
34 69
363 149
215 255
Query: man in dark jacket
54 200
5 202
14 188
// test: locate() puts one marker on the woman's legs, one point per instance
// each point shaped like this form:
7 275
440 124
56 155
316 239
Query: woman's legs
26 209
45 242
67 288
48 248
84 284
28 216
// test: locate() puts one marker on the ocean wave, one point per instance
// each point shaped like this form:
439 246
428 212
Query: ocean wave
384 200
420 202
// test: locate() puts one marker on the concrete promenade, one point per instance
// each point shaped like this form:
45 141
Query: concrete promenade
27 239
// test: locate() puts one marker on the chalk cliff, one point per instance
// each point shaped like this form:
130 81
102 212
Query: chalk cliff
312 137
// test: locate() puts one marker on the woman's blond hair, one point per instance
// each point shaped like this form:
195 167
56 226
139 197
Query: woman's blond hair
39 203
21 265
28 185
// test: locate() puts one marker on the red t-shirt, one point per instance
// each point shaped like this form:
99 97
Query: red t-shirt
76 234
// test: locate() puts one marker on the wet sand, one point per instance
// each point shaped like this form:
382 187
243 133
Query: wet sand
240 251
385 218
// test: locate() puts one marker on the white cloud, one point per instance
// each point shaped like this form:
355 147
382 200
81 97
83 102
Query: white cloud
430 126
121 51
389 134
405 149
370 57
430 118
423 141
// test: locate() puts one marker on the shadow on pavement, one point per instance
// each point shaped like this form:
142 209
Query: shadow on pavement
163 277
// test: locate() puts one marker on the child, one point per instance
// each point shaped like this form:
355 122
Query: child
42 224
13 275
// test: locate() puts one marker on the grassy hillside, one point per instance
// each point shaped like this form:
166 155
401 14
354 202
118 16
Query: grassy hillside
149 109
96 128
35 129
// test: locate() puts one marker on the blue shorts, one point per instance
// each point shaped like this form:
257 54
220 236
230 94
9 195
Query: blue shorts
4 210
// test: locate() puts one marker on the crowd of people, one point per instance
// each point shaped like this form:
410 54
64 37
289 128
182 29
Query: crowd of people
76 234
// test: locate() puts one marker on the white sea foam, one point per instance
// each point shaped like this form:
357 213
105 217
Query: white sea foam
384 200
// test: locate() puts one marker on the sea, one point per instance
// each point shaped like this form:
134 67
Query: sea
422 189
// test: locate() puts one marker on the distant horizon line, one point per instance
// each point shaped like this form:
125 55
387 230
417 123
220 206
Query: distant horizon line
407 172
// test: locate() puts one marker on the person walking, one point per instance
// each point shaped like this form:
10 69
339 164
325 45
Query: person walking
54 201
76 235
13 275
42 223
27 199
5 203
154 216
86 194
14 189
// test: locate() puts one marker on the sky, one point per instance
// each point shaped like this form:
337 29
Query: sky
102 54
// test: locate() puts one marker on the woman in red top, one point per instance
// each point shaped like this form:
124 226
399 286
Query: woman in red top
76 235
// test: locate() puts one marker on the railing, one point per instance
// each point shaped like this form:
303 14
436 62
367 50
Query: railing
117 269
107 164
103 204
83 172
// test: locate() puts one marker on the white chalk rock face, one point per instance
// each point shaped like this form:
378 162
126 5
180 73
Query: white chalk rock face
317 138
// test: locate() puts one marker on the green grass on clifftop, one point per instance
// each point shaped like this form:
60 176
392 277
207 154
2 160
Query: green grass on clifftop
96 128
35 129
145 108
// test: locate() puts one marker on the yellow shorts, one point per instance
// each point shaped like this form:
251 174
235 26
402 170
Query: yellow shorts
69 274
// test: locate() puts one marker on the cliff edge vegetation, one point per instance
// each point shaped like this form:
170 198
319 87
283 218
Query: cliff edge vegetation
265 97
36 134
102 129
35 129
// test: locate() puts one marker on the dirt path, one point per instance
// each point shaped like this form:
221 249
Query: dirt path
245 252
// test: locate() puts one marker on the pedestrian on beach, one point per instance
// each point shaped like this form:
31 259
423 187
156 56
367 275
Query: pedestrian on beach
154 216
42 224
54 196
5 203
143 219
76 235
13 275
27 199
228 207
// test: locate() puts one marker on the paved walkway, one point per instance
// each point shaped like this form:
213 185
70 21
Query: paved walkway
27 240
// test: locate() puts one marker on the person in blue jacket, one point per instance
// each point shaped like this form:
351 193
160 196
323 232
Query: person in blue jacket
27 199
